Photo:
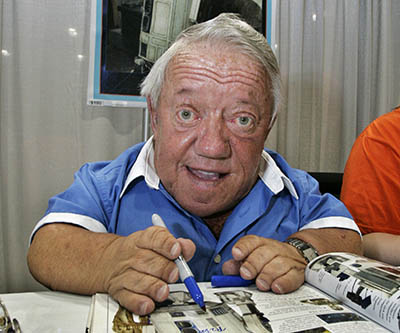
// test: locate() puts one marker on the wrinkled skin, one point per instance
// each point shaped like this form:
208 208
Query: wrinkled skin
210 127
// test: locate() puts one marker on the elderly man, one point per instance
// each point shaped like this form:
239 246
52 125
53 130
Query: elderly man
230 206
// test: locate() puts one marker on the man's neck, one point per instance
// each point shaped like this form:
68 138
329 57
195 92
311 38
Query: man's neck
216 222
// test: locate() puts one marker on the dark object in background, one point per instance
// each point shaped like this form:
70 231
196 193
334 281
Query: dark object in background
248 10
131 19
329 182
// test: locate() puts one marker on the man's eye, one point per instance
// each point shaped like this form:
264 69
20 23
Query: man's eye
244 121
186 115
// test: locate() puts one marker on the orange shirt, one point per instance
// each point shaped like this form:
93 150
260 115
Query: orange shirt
371 180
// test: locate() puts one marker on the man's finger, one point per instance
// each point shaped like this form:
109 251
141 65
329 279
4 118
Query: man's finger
256 253
257 260
138 304
275 269
188 248
151 263
159 240
128 286
289 282
231 267
247 244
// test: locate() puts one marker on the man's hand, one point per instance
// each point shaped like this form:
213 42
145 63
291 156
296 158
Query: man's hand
134 270
141 265
274 265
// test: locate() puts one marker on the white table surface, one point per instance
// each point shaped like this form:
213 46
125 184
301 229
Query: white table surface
48 311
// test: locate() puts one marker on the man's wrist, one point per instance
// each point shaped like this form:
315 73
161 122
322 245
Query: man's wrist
305 249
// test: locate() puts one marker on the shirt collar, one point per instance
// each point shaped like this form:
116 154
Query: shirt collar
269 172
143 167
273 177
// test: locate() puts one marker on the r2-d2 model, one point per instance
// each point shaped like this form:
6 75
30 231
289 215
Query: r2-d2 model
162 21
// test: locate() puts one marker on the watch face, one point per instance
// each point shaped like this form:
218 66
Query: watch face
308 252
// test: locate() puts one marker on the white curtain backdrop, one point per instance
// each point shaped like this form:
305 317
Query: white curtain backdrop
340 66
47 131
340 63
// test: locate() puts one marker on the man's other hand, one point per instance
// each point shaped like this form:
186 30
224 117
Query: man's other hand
275 265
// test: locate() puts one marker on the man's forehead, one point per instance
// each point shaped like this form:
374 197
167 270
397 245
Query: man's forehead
222 64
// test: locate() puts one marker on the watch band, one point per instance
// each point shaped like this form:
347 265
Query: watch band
305 249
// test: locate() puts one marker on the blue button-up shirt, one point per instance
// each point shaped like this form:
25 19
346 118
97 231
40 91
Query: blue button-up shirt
120 197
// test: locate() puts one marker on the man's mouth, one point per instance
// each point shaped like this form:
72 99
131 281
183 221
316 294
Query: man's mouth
206 175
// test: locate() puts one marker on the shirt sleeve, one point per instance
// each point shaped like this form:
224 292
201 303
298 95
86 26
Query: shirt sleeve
85 203
323 210
371 185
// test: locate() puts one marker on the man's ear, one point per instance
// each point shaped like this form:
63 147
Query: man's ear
153 115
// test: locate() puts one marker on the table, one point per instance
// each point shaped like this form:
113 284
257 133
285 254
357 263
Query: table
48 311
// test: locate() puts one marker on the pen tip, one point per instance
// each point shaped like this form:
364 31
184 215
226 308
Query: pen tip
203 308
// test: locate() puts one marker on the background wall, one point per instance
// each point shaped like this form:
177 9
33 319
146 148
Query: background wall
340 66
47 131
340 71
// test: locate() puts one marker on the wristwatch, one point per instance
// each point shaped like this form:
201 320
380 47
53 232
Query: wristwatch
305 249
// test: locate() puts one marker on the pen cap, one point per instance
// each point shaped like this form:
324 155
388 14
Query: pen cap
229 281
157 221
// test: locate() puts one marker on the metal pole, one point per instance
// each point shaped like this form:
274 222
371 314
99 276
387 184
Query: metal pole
146 124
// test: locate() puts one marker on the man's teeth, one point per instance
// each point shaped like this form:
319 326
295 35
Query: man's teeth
206 174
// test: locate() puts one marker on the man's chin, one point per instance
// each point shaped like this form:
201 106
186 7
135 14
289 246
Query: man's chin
205 209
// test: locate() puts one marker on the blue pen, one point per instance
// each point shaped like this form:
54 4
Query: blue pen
229 281
185 273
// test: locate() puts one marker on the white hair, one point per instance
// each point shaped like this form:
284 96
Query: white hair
227 29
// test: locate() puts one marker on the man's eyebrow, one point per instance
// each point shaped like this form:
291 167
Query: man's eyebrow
183 91
186 90
235 75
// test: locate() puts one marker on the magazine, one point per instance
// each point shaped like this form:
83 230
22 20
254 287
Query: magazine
342 293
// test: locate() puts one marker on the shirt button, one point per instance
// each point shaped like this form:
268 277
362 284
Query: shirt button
217 259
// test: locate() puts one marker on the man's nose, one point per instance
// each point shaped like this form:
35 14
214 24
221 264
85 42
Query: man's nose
213 139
